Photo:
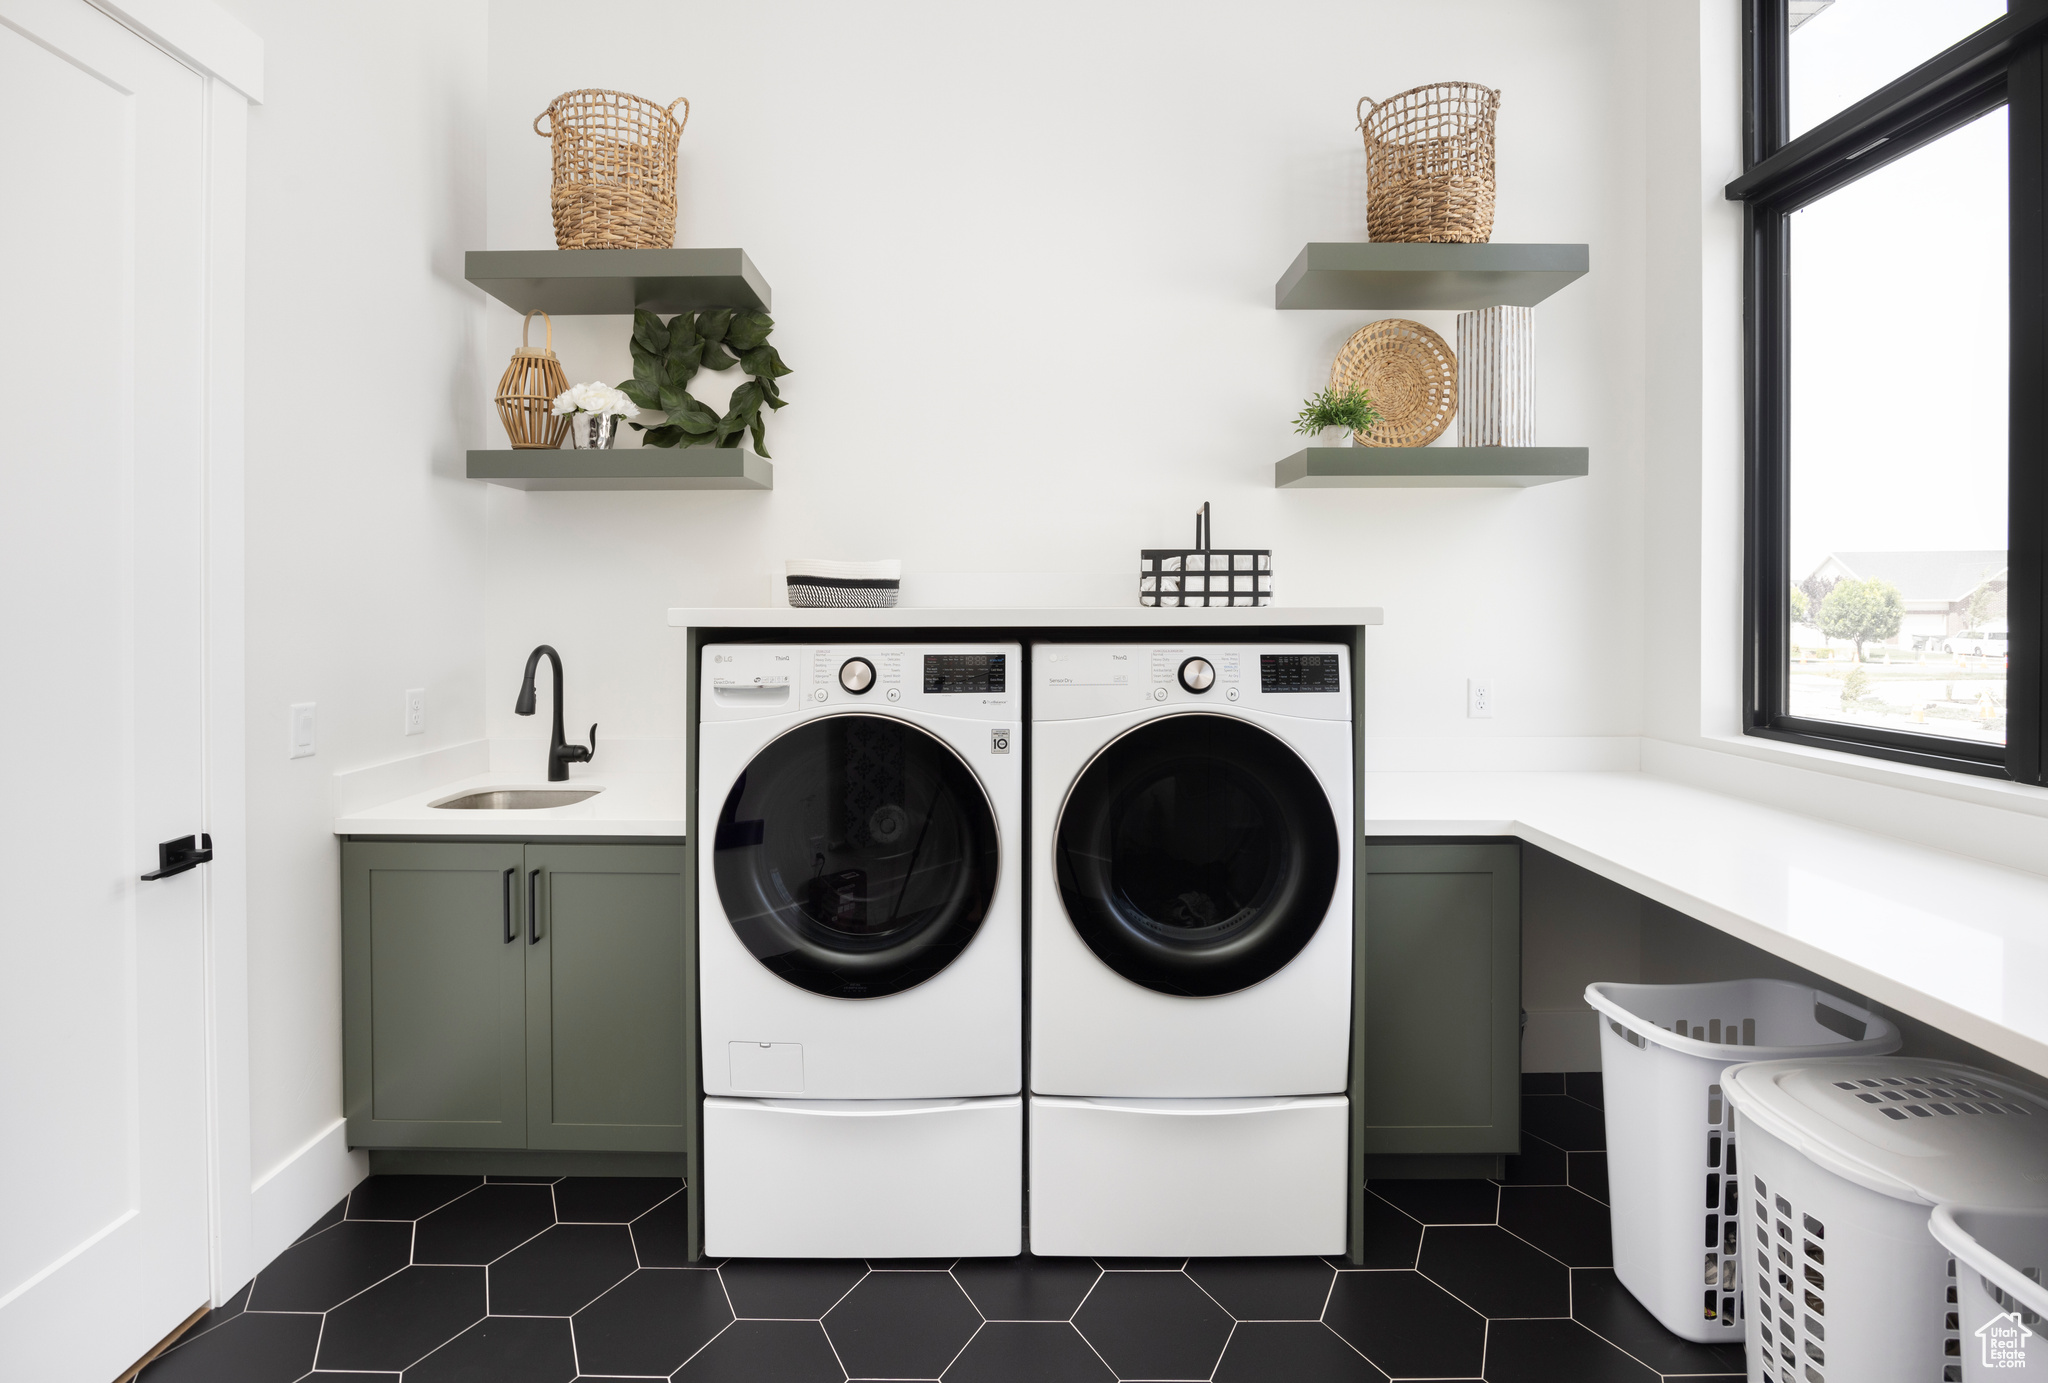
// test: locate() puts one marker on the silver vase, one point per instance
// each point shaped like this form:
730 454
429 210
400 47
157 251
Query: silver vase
593 431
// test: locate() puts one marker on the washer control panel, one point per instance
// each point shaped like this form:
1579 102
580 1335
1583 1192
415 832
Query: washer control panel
972 681
1074 681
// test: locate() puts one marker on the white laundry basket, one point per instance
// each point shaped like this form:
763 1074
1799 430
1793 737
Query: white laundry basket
1841 1163
1670 1151
2000 1304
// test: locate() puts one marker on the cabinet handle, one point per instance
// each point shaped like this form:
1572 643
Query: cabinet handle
532 912
511 932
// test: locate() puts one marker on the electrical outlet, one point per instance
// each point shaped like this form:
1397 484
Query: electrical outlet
1479 698
302 740
415 710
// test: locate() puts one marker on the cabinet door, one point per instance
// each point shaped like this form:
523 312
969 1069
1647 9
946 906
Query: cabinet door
1443 967
604 998
433 995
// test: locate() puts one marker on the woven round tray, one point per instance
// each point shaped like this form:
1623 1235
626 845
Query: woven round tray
1409 374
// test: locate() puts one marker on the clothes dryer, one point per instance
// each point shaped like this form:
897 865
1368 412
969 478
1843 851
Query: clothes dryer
1192 810
860 949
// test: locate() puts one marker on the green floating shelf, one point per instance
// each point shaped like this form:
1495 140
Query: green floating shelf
1432 468
636 468
584 282
1377 277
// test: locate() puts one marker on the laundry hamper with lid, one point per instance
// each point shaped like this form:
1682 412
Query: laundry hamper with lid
1670 1146
1841 1162
2001 1306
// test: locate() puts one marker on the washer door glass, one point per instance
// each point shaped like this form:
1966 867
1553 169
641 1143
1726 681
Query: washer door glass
856 856
1197 855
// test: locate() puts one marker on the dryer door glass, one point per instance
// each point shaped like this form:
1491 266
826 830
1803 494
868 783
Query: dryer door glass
1197 855
856 856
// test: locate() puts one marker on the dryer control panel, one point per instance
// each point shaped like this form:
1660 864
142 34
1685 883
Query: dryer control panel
970 681
1075 681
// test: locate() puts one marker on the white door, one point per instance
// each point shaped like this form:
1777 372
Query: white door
103 1061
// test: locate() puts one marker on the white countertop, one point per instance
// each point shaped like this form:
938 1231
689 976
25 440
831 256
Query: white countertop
978 617
636 805
1955 942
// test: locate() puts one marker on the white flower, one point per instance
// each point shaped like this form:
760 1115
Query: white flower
600 399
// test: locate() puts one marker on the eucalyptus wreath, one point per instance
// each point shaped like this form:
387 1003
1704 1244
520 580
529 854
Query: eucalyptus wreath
666 354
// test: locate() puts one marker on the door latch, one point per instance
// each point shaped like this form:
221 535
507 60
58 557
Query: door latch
177 856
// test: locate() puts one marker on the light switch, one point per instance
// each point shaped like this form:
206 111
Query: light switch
416 710
302 730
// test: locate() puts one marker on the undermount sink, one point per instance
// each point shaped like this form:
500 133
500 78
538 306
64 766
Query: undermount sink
515 799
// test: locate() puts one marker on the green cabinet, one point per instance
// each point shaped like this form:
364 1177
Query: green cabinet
508 995
604 998
1441 978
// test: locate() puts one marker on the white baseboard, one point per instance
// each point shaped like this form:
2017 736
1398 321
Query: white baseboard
1502 753
1561 1040
302 1188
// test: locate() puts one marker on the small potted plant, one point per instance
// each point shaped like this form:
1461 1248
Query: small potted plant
593 411
1336 417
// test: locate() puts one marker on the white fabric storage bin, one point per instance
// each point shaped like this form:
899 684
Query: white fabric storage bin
1670 1148
2000 1302
1216 1178
1841 1163
864 1178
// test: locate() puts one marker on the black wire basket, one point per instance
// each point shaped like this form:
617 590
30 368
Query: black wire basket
1205 575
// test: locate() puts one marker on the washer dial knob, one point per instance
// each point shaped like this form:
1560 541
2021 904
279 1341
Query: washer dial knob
856 675
1197 675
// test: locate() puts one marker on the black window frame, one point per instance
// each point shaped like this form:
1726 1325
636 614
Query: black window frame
2000 64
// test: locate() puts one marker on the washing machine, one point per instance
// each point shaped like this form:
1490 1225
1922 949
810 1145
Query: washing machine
860 952
1191 948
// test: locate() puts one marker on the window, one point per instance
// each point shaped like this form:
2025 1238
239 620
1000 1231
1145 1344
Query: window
1896 324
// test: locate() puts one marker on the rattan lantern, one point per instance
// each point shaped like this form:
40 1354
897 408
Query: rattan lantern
526 393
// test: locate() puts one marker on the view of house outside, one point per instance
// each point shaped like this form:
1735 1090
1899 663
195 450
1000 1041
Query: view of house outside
1932 633
1898 413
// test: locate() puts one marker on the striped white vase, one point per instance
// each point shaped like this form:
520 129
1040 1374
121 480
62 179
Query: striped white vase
1497 377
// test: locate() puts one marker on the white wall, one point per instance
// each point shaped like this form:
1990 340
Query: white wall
1023 260
365 547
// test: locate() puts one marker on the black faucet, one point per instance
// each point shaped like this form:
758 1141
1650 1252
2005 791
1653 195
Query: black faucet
560 754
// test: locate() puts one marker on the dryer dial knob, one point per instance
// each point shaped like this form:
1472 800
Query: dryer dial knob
856 675
1197 675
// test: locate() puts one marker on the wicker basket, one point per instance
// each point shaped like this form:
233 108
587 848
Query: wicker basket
1409 374
615 170
1429 163
526 393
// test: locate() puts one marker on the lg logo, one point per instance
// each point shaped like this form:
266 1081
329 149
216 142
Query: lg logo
999 740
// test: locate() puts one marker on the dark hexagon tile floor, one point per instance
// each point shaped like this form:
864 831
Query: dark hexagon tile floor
561 1271
901 1325
1154 1325
435 1279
